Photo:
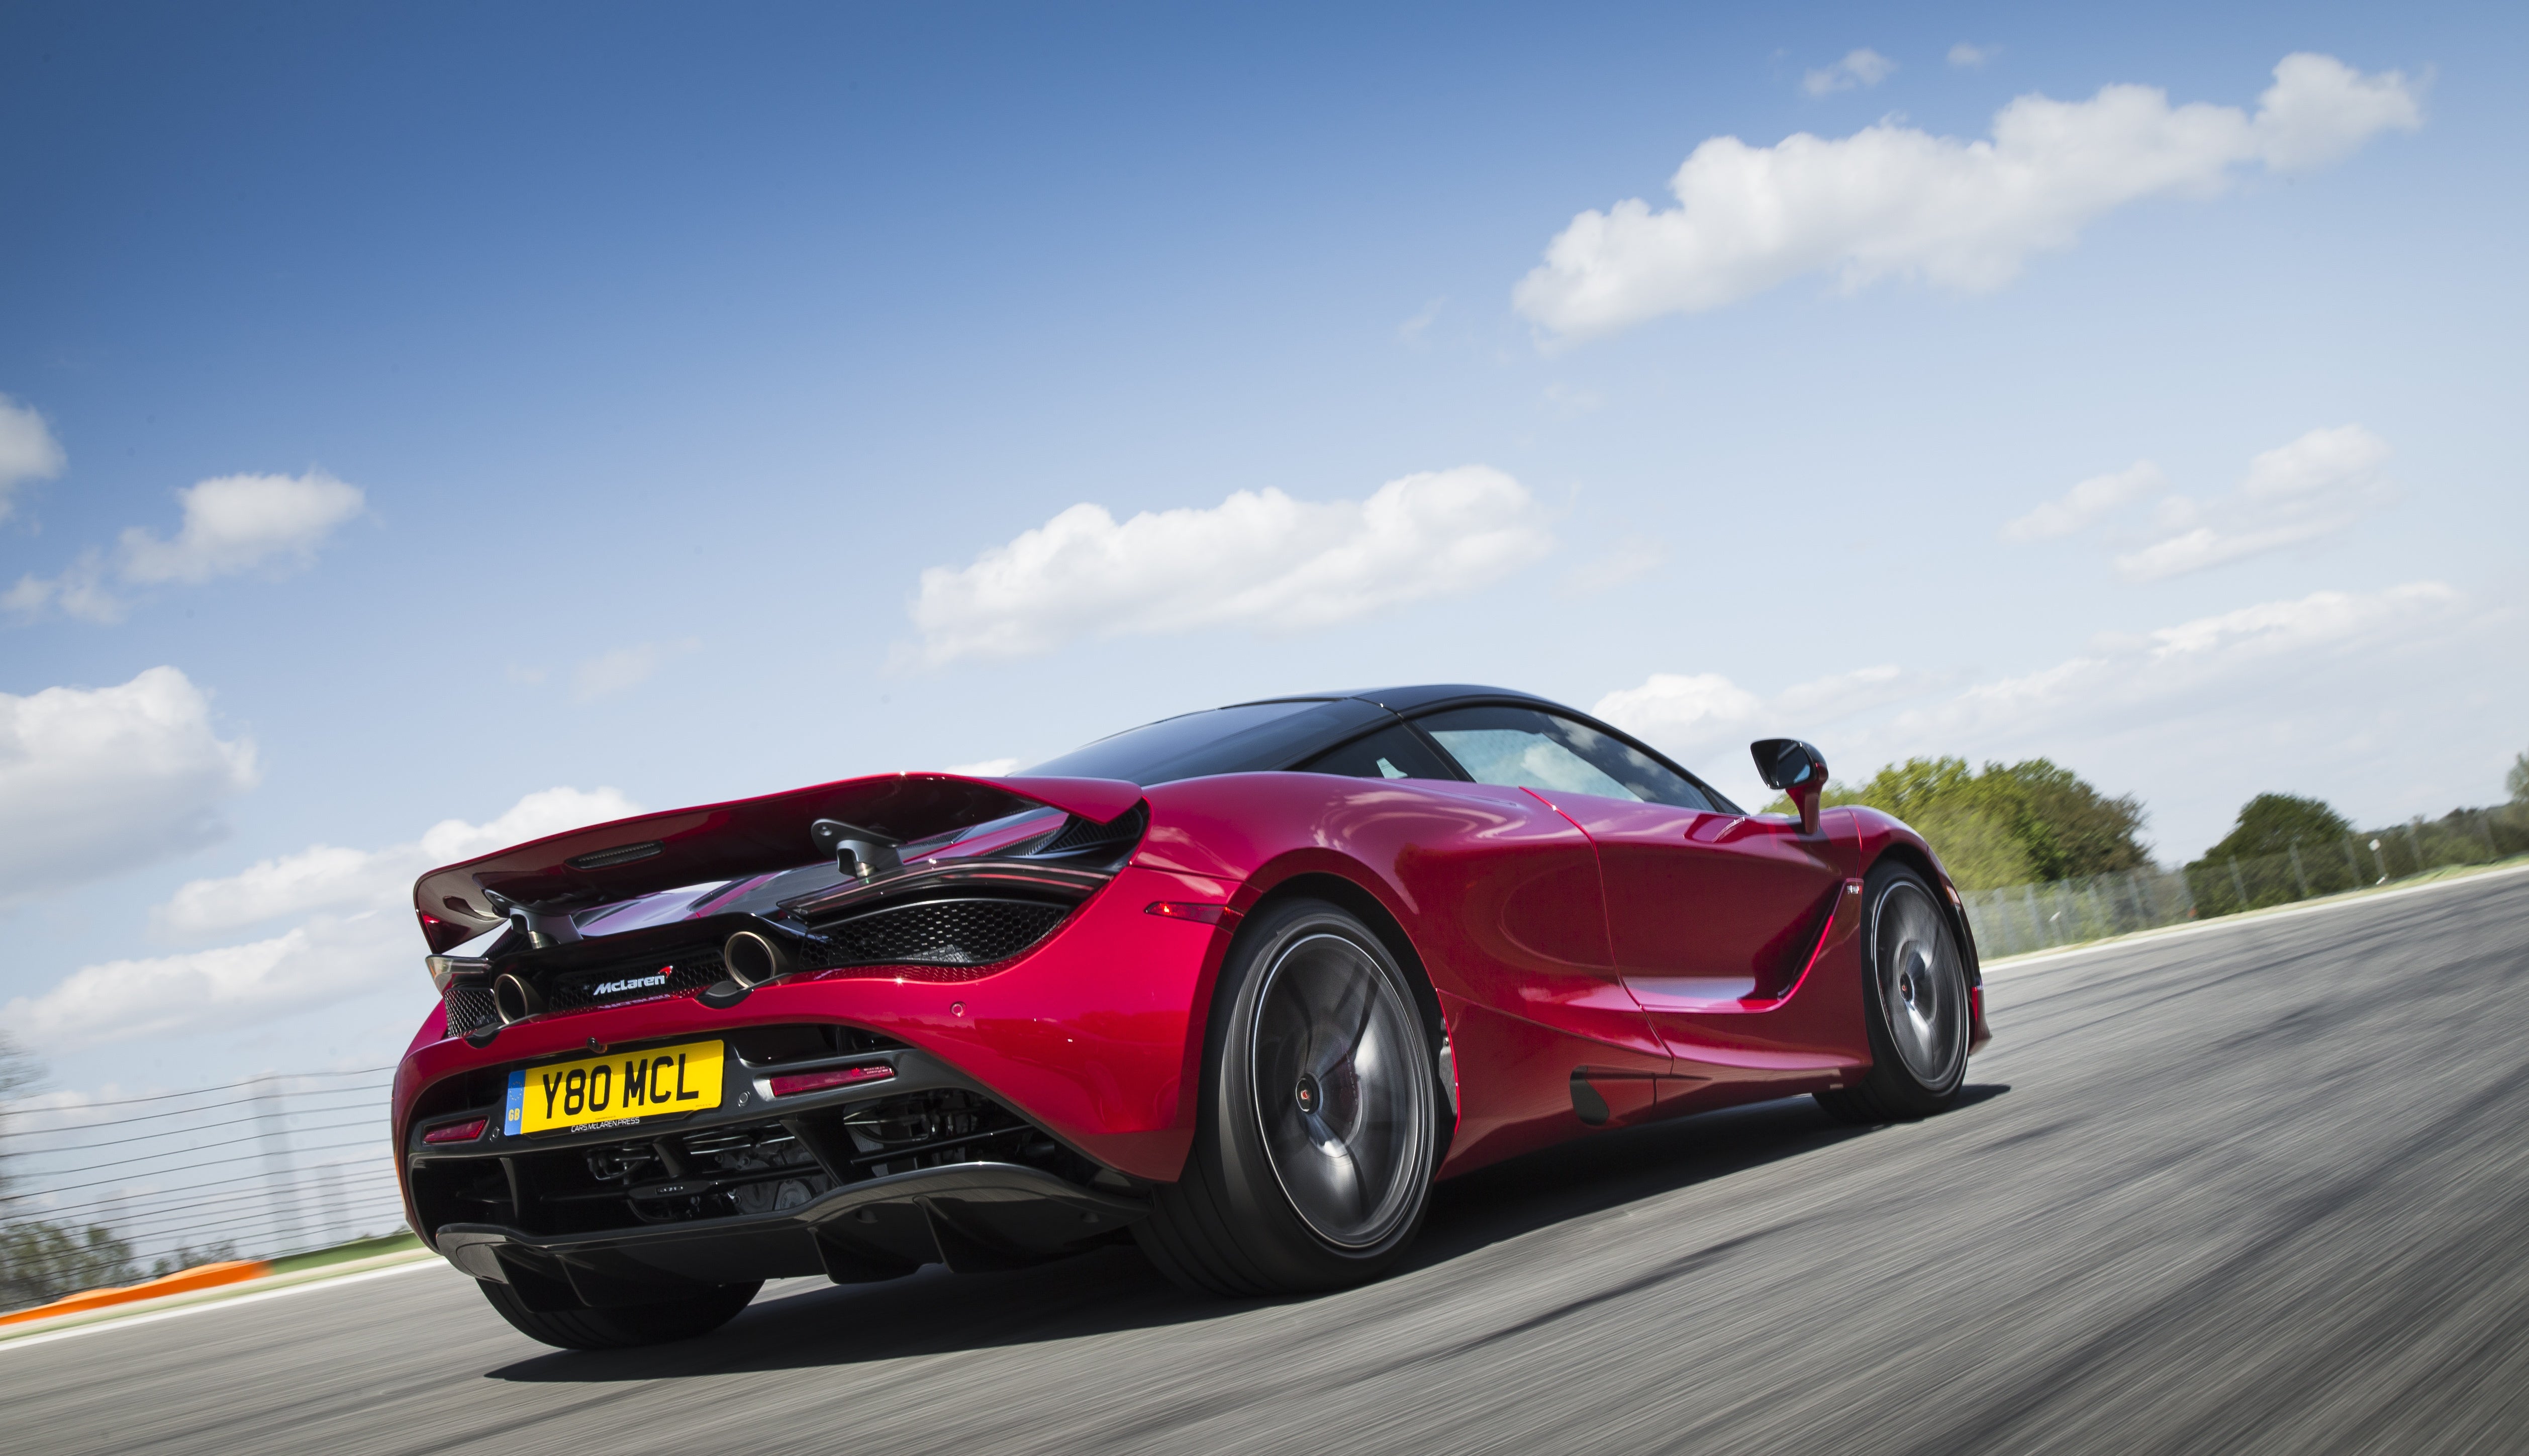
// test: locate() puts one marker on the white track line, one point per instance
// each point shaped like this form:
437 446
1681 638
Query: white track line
128 1321
2259 917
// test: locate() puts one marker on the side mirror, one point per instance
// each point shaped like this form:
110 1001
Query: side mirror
1796 768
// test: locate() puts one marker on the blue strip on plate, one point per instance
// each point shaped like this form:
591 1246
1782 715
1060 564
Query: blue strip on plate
518 1104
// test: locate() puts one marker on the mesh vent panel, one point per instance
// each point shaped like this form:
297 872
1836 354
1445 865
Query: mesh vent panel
947 933
469 1009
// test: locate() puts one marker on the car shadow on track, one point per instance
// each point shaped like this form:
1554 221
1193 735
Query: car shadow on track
1114 1290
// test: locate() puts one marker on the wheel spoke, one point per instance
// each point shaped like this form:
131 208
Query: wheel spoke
1342 1108
1922 987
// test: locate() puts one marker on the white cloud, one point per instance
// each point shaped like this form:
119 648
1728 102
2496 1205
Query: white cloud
1258 559
1571 401
1629 561
1683 713
1967 56
358 939
990 768
2088 501
319 874
233 525
123 1000
2315 487
325 876
1860 68
98 781
626 668
2312 488
1705 721
236 523
28 451
80 591
2156 678
2197 717
1411 331
1894 201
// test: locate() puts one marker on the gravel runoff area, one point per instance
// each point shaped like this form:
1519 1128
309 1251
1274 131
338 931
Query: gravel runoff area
2262 1186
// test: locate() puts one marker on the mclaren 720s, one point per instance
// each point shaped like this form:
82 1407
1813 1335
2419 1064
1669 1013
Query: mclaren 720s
1237 986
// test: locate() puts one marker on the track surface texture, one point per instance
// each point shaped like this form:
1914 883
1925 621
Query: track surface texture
2263 1187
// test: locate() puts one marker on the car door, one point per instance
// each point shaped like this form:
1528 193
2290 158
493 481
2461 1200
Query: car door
1712 915
1526 882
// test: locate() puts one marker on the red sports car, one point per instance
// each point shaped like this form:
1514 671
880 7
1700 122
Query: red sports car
1237 986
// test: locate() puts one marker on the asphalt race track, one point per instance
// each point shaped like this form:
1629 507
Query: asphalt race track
2261 1187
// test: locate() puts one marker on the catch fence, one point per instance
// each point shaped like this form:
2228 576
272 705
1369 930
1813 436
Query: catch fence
96 1192
2023 918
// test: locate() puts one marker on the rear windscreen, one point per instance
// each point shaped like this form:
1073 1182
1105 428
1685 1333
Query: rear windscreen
1220 740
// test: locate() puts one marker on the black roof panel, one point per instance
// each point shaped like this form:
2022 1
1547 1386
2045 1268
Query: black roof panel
1419 695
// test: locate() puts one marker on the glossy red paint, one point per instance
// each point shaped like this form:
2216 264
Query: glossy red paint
1673 960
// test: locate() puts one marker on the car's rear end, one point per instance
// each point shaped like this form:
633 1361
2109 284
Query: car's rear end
845 1030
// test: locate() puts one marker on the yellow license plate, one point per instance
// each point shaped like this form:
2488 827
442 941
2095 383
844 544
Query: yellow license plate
621 1088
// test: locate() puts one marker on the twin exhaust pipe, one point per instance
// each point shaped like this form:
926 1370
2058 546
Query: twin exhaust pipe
750 957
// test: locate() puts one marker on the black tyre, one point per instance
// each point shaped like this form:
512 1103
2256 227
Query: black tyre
1915 1004
1319 1122
680 1319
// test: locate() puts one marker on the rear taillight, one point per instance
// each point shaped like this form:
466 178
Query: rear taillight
458 1132
797 1083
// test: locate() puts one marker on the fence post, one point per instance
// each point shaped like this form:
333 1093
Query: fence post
2383 859
2238 884
282 1188
2293 849
2036 926
2415 846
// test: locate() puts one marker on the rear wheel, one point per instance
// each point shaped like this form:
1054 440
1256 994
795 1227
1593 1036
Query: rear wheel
680 1319
1313 1157
1916 1005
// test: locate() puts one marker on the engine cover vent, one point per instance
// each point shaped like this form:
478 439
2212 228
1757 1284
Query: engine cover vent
942 932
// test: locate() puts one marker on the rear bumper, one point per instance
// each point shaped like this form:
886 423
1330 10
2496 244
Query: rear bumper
1093 1034
970 1216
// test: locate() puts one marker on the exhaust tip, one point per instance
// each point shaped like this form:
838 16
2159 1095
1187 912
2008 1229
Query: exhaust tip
752 959
514 999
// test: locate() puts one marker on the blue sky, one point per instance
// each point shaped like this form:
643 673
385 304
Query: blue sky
589 389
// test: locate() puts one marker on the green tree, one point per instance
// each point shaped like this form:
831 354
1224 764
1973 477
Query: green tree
1974 846
2269 824
2067 827
2004 824
2517 780
42 1261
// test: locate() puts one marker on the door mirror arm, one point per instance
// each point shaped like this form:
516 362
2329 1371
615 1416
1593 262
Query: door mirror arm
1796 768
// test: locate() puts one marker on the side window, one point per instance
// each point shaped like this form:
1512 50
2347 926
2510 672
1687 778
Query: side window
1525 749
1393 752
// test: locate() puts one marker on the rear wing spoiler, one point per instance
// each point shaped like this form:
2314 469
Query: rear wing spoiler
650 853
